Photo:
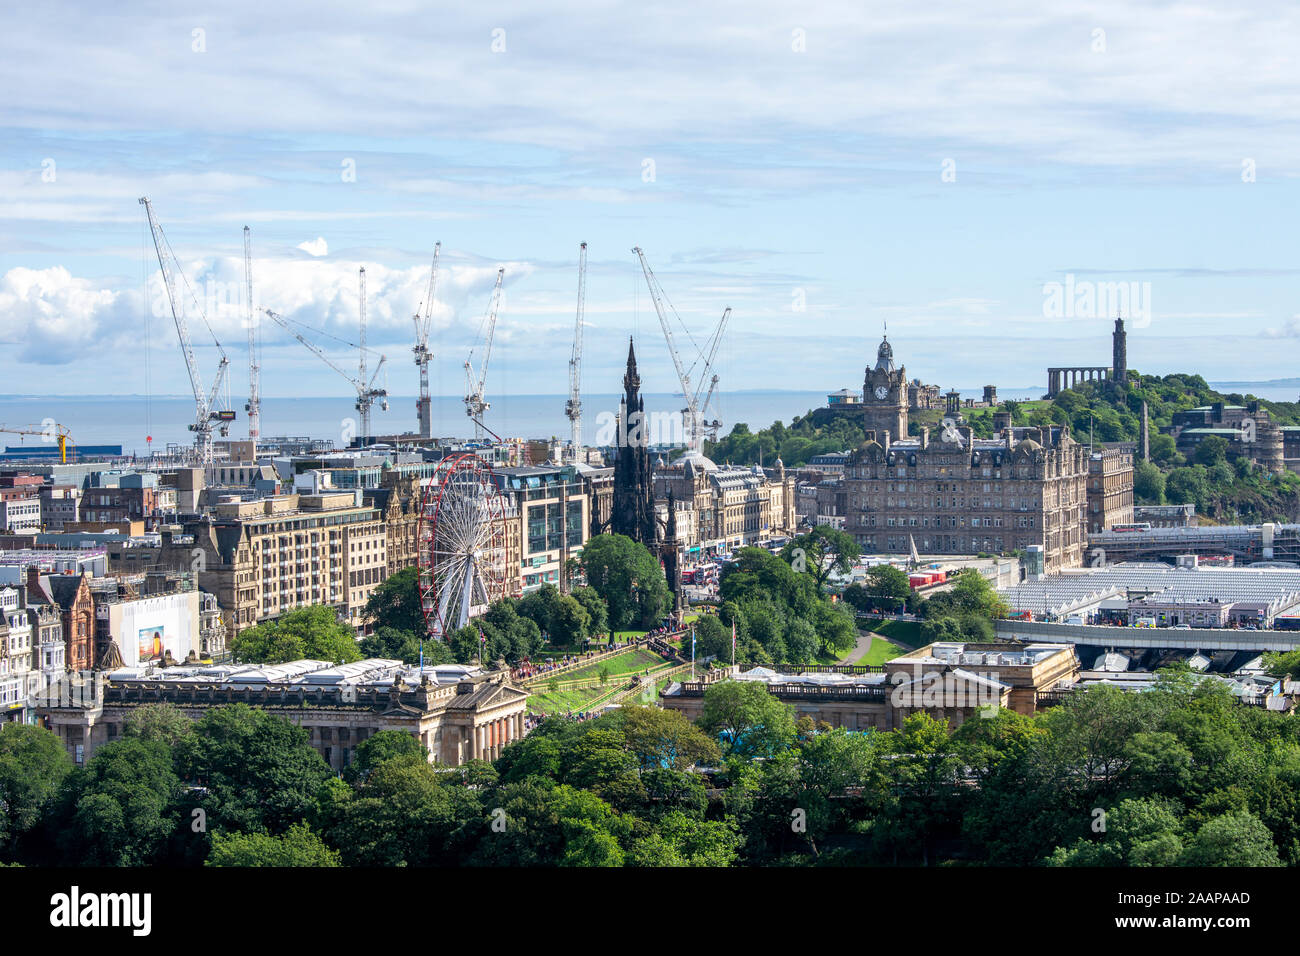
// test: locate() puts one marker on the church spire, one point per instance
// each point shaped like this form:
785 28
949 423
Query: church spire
631 380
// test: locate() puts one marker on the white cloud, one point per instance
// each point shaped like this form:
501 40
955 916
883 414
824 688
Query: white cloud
53 318
315 247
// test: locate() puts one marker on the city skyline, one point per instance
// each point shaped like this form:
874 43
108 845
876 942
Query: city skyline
864 172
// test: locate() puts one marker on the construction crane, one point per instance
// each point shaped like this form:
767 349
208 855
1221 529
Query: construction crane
50 431
573 407
711 427
254 404
423 321
204 412
696 426
475 402
366 392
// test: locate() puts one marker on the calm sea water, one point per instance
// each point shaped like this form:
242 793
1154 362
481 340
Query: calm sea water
128 419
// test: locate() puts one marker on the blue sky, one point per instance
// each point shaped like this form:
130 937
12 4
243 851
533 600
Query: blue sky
930 166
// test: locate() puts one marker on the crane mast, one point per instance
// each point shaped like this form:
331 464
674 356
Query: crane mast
423 320
475 401
254 404
711 427
204 415
694 430
366 391
573 407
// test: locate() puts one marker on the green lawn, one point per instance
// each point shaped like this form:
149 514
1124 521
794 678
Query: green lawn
906 633
882 649
580 697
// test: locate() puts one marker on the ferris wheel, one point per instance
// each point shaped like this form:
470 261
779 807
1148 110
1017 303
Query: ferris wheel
461 544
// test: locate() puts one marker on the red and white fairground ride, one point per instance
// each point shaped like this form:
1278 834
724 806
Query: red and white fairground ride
461 544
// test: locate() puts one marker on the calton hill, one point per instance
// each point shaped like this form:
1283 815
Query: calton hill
1223 490
1181 775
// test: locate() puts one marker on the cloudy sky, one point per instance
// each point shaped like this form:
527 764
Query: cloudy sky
823 169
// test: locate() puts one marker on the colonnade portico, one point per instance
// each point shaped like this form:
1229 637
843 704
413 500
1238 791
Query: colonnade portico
1059 379
491 736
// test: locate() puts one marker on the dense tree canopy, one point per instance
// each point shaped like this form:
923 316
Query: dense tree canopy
629 579
313 632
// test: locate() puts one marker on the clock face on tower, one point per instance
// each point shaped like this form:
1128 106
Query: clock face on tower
881 392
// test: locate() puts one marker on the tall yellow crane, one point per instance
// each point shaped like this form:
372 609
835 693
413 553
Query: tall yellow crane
50 431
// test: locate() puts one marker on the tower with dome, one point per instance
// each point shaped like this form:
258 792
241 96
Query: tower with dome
884 395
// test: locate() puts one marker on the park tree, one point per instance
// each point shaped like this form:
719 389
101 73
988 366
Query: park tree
384 745
260 772
570 623
297 846
522 633
750 721
922 778
119 810
33 765
595 607
1164 450
163 721
311 632
970 593
657 738
1232 839
547 824
402 814
888 586
390 643
680 839
395 602
628 578
821 552
712 638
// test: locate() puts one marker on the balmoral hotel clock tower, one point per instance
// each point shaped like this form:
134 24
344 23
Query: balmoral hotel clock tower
884 396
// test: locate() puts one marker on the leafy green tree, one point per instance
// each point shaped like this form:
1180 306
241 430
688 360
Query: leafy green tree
1136 833
539 606
548 824
888 586
970 593
118 810
679 839
1211 450
259 771
384 745
922 775
390 643
1149 483
1233 839
570 623
404 814
162 721
660 738
33 765
712 638
595 607
821 552
628 578
312 632
750 720
1164 451
297 846
395 603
